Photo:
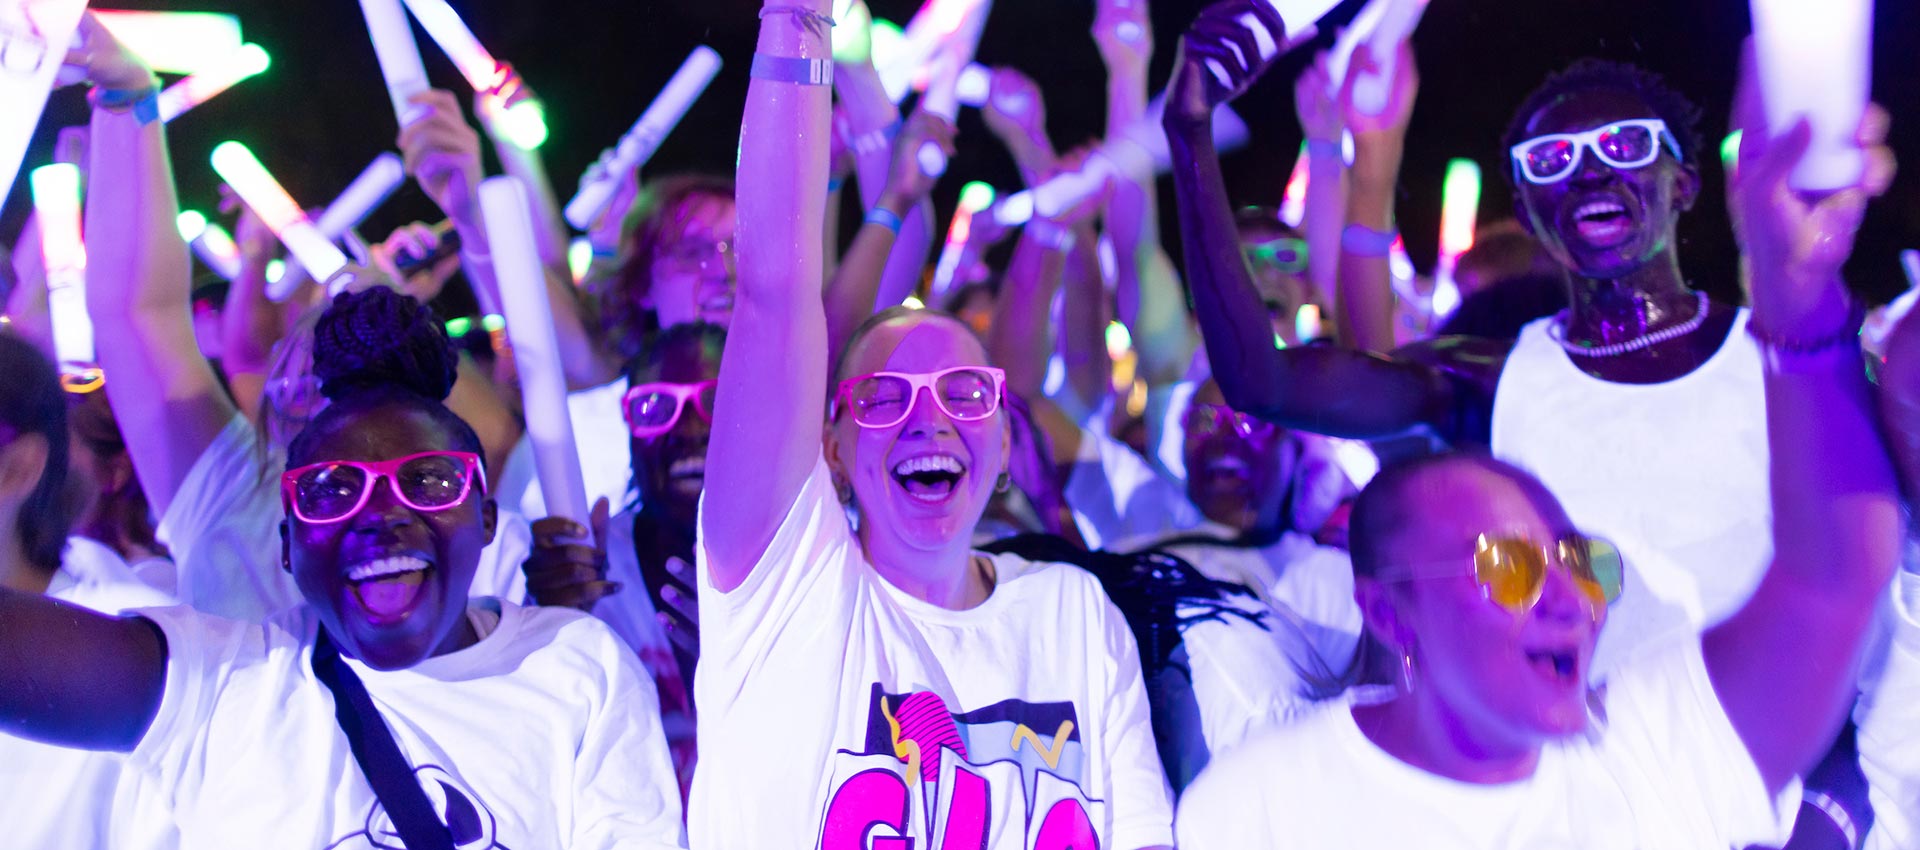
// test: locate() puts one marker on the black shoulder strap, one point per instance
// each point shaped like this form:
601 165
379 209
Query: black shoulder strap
379 756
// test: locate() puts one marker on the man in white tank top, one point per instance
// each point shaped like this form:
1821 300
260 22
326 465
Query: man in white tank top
1640 405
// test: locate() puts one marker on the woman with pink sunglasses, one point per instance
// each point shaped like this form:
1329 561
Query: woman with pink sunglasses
889 680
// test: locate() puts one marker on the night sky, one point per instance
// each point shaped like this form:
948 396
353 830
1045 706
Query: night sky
321 113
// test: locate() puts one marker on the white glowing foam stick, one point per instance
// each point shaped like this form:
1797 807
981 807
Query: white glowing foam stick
247 61
1381 26
974 86
174 42
943 95
215 247
536 349
1301 18
56 203
483 72
640 142
930 27
33 45
1814 60
375 184
399 55
263 194
1141 149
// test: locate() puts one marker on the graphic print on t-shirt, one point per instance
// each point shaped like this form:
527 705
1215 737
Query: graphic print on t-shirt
467 818
1009 775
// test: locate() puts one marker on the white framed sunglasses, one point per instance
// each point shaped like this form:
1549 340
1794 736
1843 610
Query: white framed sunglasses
1634 143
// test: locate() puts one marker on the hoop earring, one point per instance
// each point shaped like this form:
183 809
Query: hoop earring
1004 482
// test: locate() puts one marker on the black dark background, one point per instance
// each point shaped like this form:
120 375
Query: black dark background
321 113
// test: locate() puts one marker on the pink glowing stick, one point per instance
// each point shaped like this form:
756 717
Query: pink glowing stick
483 72
248 61
536 349
264 195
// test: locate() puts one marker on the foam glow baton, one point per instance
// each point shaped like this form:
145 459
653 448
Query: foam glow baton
264 195
1301 18
1459 214
1382 25
174 42
974 197
399 55
211 243
247 61
34 45
899 60
56 203
374 185
536 349
524 123
1141 147
943 90
1814 61
644 138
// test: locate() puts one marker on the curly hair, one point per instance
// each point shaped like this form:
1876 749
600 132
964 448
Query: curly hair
1669 105
649 226
32 402
377 348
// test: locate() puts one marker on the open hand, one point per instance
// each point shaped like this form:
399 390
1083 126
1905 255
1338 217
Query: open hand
1320 114
105 62
1222 55
1401 91
1124 33
907 182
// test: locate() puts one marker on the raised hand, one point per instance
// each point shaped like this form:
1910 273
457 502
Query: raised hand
566 568
1405 87
1124 33
443 155
419 241
105 62
907 182
1016 112
1221 56
1321 116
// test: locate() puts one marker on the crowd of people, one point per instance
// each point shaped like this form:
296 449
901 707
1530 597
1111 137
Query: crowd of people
1597 562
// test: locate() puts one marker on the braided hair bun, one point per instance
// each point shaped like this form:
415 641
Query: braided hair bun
379 339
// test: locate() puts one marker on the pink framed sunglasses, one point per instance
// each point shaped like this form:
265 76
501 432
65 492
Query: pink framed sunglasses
883 399
334 490
653 409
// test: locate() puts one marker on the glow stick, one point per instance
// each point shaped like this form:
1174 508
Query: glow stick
536 350
1881 322
943 90
399 55
211 243
32 56
247 61
1306 323
1139 149
899 61
443 24
1301 19
1910 263
974 85
277 271
1730 152
1814 58
56 203
974 197
174 42
579 257
371 188
640 142
1293 204
1382 25
263 194
1459 213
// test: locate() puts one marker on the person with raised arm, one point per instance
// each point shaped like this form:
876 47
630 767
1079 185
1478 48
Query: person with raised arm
846 677
1491 600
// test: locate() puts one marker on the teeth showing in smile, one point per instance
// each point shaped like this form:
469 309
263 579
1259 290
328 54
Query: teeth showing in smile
929 478
688 467
928 463
1599 209
385 567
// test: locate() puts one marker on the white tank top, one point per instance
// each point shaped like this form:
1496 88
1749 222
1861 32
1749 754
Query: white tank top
1678 468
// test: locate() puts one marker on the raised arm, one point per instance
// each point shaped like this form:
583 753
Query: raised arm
857 281
1147 287
1784 666
771 401
1323 126
1365 301
1022 335
139 286
873 123
1323 389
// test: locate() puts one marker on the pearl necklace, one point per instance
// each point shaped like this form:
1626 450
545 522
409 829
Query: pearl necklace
1558 330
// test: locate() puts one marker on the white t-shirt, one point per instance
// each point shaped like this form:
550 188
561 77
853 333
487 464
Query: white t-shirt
835 707
223 529
1667 771
52 796
1888 718
542 735
1677 469
605 445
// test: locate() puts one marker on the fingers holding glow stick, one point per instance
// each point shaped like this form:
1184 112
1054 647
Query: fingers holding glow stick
1381 26
536 350
443 24
1141 149
943 97
644 138
399 55
264 195
248 61
56 203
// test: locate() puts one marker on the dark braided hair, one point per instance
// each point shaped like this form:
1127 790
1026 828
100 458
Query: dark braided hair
379 348
32 402
1681 115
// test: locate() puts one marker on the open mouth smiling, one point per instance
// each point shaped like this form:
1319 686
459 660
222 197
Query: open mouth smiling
930 478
